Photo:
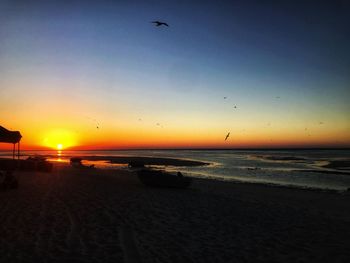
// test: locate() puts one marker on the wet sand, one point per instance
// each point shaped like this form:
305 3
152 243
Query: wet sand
339 164
92 215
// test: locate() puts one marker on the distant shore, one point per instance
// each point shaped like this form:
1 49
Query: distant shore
129 159
146 160
93 215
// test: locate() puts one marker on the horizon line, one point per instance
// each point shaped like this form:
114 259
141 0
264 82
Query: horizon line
193 149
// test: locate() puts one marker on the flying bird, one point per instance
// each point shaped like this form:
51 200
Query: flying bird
96 123
159 23
278 97
225 98
235 107
227 136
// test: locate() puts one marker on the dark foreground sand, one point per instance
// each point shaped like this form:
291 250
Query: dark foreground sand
107 216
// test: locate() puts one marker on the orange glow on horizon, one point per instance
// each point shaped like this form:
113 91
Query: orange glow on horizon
77 135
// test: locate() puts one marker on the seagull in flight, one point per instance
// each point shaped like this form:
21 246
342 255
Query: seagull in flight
227 136
159 23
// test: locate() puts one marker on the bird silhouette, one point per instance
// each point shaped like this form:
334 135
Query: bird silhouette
235 107
159 23
96 123
227 136
225 98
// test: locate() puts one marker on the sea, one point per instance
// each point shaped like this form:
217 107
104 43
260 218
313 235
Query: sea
302 168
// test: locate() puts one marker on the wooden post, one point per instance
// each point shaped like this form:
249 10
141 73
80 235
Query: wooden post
18 151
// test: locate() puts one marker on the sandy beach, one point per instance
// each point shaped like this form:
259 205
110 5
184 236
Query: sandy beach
93 215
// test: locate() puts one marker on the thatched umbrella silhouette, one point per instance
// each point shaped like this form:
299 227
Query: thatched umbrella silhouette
10 137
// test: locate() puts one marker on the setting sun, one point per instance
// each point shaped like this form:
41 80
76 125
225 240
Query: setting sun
58 139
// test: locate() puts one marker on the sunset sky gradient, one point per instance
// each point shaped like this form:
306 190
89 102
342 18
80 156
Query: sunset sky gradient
99 75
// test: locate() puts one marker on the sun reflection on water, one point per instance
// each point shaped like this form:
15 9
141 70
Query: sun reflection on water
59 157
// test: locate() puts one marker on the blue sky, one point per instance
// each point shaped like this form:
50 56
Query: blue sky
109 57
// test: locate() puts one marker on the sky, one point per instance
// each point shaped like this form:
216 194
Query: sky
100 75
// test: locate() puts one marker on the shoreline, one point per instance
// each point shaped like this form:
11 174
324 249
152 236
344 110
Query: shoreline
5 163
147 160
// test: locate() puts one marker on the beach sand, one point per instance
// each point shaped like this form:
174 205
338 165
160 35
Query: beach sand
92 215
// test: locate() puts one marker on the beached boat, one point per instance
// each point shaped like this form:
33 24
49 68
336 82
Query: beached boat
136 164
156 178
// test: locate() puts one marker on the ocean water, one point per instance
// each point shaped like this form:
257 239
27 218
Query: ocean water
299 168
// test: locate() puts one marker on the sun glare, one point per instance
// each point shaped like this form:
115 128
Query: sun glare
59 139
